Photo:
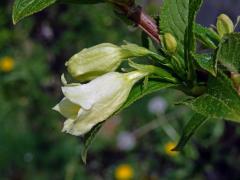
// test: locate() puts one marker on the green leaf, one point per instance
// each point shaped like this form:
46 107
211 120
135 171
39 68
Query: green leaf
138 91
177 17
83 1
174 20
23 8
190 40
190 129
190 36
206 62
88 139
208 37
220 101
229 52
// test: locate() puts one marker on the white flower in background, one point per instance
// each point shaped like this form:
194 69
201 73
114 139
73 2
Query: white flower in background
100 59
47 31
86 105
157 105
126 141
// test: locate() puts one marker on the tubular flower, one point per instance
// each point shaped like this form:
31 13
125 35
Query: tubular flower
86 105
100 59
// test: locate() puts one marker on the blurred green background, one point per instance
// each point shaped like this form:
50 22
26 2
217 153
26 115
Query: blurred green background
133 145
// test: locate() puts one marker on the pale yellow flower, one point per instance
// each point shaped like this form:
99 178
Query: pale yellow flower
124 172
86 105
6 64
168 148
95 61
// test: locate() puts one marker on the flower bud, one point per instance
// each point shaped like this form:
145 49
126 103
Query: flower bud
236 81
170 43
86 105
103 58
97 60
224 25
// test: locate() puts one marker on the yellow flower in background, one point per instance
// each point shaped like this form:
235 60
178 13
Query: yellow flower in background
168 148
6 64
124 172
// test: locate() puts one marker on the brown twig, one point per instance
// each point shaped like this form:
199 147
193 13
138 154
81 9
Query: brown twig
137 15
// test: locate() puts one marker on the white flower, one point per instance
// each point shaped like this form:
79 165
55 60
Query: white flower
100 59
86 105
157 105
126 141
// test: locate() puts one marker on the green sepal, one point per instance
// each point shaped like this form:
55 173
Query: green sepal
162 73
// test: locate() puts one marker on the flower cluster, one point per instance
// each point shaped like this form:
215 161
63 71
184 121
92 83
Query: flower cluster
85 105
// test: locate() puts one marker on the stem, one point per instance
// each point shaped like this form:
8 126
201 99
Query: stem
141 19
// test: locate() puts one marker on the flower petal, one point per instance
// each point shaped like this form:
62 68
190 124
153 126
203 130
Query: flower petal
67 108
87 119
68 124
87 95
98 99
78 95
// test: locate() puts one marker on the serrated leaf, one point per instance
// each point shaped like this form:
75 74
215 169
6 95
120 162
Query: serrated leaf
177 17
88 139
136 93
23 8
229 52
206 62
220 101
194 6
174 20
82 1
190 40
208 37
190 129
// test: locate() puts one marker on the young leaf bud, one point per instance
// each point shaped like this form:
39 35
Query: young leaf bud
170 43
224 25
